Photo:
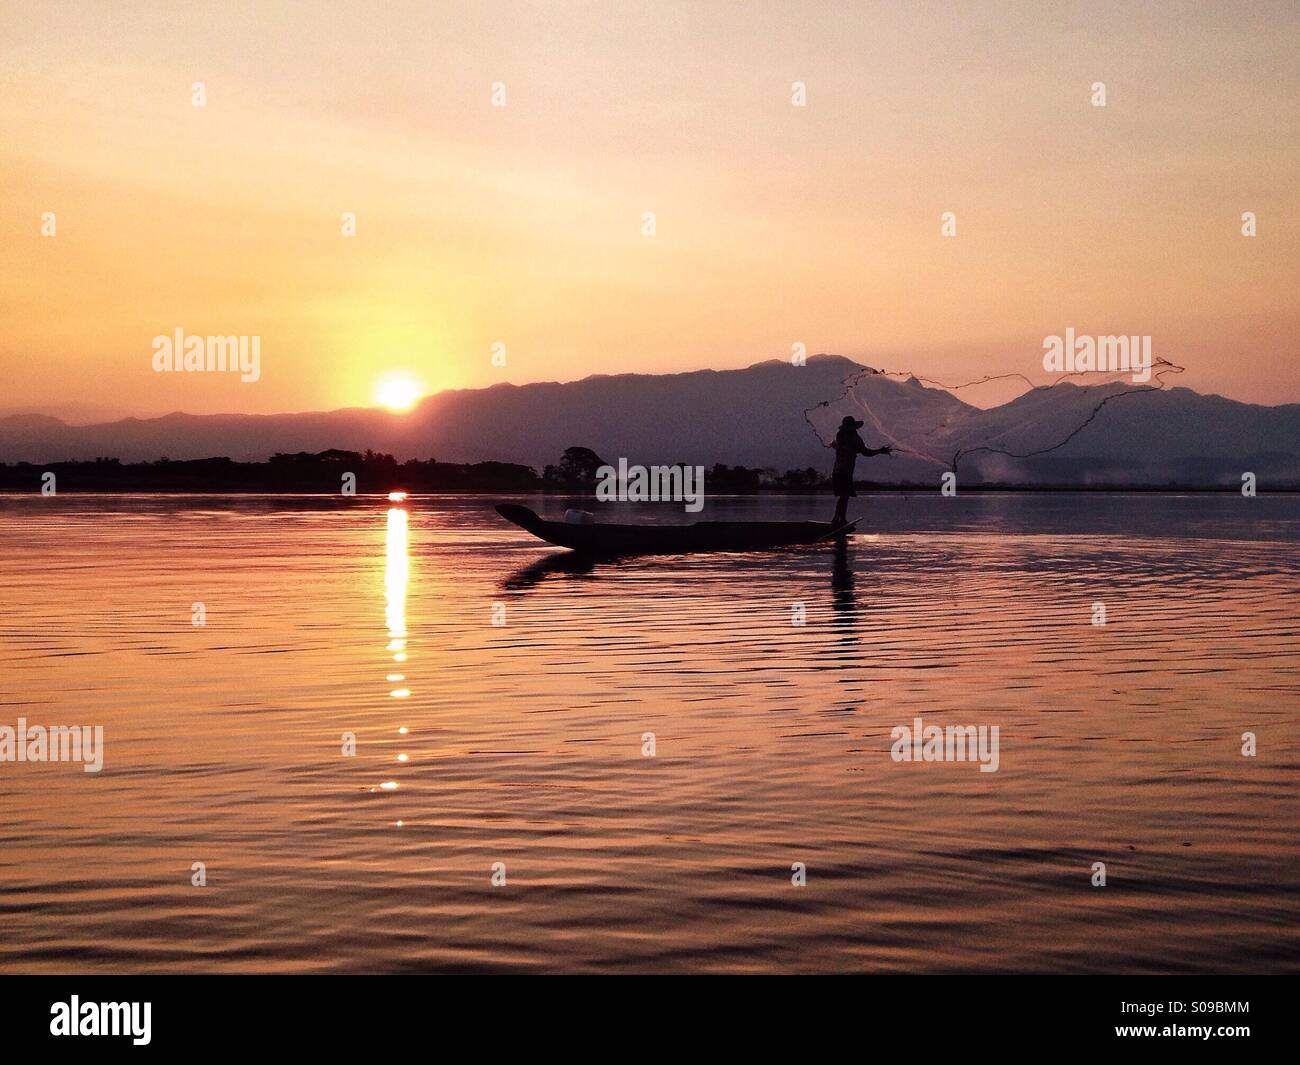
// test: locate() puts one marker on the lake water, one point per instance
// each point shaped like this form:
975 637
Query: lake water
524 741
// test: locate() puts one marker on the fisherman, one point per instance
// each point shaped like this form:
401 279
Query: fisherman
848 446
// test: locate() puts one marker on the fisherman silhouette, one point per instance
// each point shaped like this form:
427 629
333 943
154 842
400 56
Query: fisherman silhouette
848 446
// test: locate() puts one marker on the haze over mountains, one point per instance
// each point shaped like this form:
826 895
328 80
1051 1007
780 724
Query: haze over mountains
751 417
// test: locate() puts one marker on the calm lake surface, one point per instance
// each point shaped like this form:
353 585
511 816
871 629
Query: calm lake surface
521 742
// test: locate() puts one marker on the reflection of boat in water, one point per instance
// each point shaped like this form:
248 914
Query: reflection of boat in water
569 563
595 539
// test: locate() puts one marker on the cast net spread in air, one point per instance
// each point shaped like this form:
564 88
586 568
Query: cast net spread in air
1006 414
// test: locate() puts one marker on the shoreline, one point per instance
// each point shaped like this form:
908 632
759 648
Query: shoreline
578 493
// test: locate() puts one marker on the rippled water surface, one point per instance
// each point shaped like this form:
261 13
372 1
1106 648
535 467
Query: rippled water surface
501 694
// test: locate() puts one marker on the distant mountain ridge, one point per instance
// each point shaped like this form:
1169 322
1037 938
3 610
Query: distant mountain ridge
750 417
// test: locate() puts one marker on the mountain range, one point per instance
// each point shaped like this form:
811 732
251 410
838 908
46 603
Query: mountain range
751 417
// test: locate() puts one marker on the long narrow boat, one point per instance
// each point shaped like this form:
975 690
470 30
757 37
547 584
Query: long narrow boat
596 539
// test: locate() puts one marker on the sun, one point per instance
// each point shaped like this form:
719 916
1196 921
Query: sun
397 391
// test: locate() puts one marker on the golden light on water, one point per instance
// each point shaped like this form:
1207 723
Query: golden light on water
397 574
397 578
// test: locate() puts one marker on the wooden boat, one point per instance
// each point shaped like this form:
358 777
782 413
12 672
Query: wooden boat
596 539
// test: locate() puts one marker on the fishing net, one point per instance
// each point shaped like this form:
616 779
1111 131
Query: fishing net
1006 414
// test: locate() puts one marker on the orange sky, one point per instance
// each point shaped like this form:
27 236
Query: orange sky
523 224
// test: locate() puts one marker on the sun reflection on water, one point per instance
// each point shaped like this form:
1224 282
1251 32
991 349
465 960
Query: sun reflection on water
397 579
397 575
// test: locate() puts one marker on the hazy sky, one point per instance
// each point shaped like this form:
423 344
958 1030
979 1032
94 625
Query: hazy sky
523 224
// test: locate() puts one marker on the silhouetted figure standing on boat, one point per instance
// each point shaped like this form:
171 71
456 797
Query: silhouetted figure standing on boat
848 446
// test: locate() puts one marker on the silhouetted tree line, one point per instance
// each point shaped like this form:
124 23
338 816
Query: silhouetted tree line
322 471
577 472
302 472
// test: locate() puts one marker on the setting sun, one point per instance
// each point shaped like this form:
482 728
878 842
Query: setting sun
397 392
